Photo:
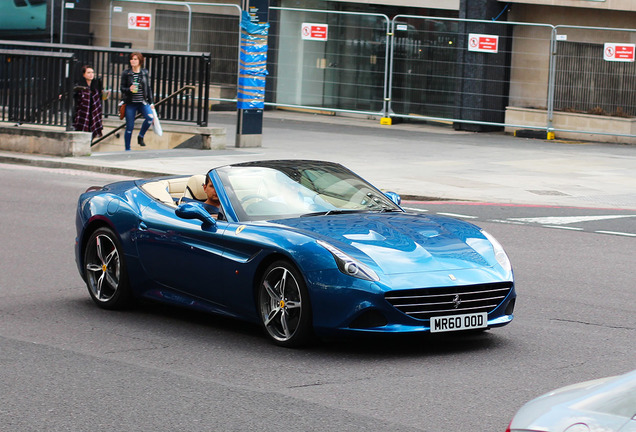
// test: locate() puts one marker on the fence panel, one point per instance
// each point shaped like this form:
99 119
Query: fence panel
31 84
327 59
424 67
467 71
590 75
210 32
178 26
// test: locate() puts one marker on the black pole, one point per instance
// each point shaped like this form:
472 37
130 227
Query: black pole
483 83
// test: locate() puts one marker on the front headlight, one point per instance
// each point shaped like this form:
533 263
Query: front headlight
500 254
348 265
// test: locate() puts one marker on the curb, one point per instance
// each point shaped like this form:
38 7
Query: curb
45 162
56 163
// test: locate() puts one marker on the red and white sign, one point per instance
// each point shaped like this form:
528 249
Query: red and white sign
139 21
314 31
619 52
483 43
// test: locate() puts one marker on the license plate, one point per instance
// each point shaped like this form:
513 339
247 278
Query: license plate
459 322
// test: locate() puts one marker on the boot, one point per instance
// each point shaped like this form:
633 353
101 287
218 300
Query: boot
140 141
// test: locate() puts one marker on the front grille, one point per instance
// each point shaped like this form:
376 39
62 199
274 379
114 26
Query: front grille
424 303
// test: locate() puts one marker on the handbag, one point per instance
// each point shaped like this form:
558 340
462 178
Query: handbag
122 111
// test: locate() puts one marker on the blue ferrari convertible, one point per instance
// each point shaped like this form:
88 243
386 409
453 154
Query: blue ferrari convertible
305 248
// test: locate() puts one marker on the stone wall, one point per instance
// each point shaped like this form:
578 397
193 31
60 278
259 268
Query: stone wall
56 141
577 123
174 135
48 140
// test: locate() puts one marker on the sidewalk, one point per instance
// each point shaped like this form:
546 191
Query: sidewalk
418 161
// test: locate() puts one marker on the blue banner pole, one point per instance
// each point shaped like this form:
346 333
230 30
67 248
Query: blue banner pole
252 73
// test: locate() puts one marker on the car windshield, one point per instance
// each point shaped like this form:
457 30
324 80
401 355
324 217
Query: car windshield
284 189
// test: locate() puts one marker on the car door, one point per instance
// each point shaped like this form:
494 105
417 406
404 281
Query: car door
182 254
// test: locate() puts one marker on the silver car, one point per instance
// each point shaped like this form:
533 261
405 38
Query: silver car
602 405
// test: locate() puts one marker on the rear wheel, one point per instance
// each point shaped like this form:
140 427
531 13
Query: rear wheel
284 306
105 270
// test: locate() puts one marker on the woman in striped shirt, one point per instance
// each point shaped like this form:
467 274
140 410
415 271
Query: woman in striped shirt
137 93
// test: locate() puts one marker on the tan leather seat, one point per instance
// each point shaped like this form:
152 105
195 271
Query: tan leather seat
159 191
194 188
176 186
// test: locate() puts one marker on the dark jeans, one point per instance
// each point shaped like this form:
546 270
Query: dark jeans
131 113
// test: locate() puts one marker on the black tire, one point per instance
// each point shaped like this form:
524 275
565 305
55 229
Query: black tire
284 307
105 271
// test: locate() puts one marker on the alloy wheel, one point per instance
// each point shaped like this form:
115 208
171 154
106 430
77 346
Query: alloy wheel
284 306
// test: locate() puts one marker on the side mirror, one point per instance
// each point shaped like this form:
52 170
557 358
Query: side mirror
195 210
393 197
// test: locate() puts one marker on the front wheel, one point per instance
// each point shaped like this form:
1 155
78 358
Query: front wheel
105 270
284 306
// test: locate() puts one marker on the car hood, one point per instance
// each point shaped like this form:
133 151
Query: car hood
607 401
401 243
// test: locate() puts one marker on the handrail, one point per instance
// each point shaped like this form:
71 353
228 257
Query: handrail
103 137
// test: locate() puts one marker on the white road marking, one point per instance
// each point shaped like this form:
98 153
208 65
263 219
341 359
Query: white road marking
563 227
458 215
548 221
565 220
506 221
616 233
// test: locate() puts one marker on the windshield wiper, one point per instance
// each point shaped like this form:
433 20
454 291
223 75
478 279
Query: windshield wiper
389 210
334 212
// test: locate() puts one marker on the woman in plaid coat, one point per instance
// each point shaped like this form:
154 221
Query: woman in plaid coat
88 103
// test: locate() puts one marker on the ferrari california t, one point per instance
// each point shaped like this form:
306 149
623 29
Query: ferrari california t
305 248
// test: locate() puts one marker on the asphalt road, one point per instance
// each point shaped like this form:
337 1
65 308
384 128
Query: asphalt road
67 365
618 222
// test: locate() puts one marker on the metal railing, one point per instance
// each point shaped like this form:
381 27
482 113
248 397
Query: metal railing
31 87
157 104
169 72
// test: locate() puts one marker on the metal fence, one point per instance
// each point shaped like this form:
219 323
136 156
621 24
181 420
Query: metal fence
344 71
31 85
435 68
591 77
411 67
180 26
214 33
171 72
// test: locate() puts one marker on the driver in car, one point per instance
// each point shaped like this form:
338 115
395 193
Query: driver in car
212 204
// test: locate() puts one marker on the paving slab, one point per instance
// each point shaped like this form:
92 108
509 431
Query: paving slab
417 160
